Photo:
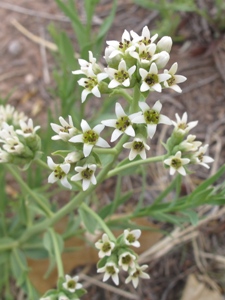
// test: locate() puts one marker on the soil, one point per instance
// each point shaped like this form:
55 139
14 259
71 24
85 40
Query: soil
26 74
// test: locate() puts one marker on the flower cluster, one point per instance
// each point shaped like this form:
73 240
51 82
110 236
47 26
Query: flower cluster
117 255
67 289
20 142
183 149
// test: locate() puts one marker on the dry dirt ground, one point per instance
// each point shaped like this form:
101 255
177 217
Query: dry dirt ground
26 69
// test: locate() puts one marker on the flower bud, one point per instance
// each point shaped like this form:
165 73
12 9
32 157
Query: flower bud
164 44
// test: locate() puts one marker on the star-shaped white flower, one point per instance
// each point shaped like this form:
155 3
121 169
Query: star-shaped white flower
105 246
202 159
4 156
136 273
84 65
151 117
123 47
138 147
64 131
190 144
123 123
182 126
60 172
176 163
91 83
90 137
71 284
172 83
111 270
126 260
122 76
151 79
144 54
131 237
87 174
27 129
145 37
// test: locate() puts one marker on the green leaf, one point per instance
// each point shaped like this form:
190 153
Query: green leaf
192 215
89 222
18 266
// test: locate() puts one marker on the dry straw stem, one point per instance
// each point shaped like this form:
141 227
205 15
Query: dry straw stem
178 236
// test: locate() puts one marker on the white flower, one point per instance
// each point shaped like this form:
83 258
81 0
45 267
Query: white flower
85 173
164 44
131 237
45 298
137 146
123 47
90 137
121 76
91 83
8 114
123 123
105 246
190 144
10 139
145 37
59 173
84 65
162 59
27 129
182 126
144 54
110 270
71 284
176 163
136 273
151 80
65 131
202 159
63 297
126 260
73 157
175 79
4 156
151 117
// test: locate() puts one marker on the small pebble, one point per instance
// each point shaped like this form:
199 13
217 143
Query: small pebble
15 47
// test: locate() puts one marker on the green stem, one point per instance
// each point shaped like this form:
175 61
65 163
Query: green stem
10 245
136 99
19 179
124 94
105 151
100 221
136 163
57 253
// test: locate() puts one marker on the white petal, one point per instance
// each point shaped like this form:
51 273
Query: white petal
84 95
51 163
143 73
119 111
87 149
153 69
77 139
132 154
113 83
130 131
176 88
173 68
85 184
110 123
144 87
157 87
172 171
65 183
126 83
102 143
164 120
157 106
76 177
151 130
180 78
116 133
95 91
98 128
144 106
84 125
182 171
65 168
52 178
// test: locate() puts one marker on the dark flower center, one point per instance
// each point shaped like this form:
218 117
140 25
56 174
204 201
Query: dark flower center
121 76
123 123
87 173
59 173
151 79
151 116
176 163
90 137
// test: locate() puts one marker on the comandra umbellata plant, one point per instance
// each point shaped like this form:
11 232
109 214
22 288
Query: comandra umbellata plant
135 66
